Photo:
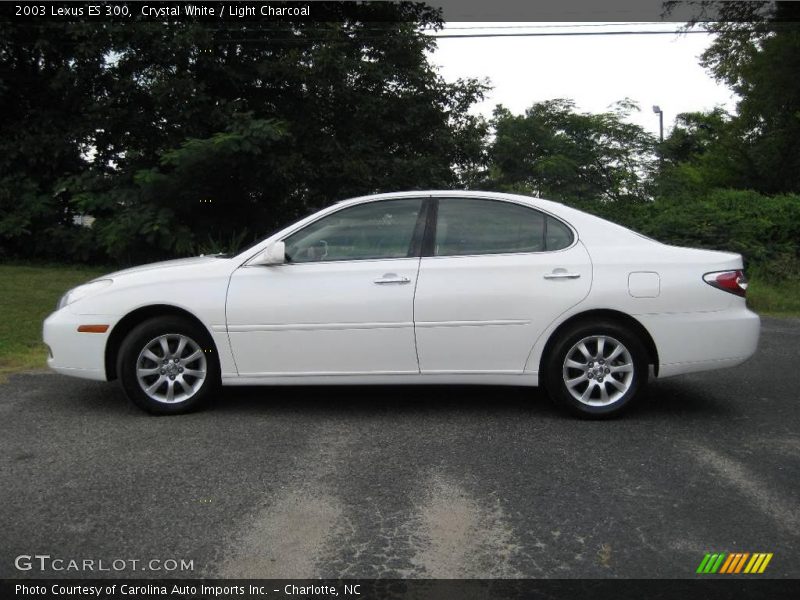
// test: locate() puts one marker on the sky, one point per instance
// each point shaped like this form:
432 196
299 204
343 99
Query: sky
595 71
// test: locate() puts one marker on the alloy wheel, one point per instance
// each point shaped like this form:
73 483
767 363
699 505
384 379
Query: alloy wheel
171 368
598 370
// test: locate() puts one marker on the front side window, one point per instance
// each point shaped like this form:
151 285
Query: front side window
467 226
382 229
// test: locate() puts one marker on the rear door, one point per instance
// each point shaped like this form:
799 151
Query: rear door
495 275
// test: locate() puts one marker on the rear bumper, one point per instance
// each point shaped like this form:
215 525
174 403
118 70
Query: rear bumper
76 354
702 341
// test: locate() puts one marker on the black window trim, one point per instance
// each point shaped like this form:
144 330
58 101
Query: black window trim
430 231
429 237
419 238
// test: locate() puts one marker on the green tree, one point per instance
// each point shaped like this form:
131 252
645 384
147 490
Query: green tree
701 153
756 51
556 152
49 77
186 136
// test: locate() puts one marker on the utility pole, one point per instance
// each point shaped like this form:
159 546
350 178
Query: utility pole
660 113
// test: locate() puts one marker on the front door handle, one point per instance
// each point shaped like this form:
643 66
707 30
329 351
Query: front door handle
561 274
392 278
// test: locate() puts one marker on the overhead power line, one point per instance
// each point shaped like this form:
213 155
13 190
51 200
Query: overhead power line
305 39
554 25
561 33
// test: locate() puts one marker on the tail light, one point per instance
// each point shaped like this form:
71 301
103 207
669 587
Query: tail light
730 281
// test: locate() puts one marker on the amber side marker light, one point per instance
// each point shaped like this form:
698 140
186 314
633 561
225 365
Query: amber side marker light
92 328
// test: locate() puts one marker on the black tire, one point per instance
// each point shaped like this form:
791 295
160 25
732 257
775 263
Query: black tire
196 391
620 393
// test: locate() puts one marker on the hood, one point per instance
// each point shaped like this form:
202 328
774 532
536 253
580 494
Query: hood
165 264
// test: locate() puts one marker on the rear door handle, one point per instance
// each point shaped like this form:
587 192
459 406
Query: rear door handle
561 274
392 278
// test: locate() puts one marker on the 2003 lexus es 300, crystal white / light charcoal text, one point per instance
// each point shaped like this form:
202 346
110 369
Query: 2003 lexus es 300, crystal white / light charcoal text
419 287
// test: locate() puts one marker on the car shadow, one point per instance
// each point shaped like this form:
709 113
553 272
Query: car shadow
662 400
381 399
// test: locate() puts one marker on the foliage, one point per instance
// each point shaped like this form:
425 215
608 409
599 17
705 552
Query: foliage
763 229
756 52
171 135
556 152
46 82
200 191
700 153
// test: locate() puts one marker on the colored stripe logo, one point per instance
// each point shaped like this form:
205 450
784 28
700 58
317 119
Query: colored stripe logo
734 563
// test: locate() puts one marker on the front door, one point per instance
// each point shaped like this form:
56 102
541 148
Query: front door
341 305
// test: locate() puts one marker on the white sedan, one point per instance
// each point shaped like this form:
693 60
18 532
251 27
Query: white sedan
442 287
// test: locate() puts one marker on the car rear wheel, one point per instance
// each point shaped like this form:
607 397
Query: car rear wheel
596 370
166 366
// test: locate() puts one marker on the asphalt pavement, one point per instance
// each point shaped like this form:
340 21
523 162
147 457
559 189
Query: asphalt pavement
444 482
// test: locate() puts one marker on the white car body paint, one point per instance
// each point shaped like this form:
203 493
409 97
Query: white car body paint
323 318
475 314
482 319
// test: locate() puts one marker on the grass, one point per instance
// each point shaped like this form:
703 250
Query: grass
774 299
27 295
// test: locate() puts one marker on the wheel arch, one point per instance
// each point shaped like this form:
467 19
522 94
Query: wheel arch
134 318
607 314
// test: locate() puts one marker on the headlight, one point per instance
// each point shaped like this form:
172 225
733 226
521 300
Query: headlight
82 291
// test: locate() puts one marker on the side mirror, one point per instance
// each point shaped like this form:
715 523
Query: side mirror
274 254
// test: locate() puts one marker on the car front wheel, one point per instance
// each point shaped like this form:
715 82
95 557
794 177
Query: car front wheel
167 366
596 370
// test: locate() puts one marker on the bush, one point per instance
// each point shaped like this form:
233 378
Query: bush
764 229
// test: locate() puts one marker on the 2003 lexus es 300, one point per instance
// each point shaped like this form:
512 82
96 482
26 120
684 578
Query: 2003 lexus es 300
418 287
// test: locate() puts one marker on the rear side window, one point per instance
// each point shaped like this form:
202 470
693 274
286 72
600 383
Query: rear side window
469 226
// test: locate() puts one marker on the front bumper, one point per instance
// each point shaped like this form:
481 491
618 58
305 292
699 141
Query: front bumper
73 353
